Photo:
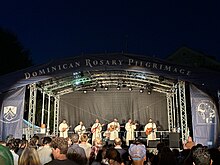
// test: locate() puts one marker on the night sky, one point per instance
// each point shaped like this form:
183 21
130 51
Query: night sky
54 29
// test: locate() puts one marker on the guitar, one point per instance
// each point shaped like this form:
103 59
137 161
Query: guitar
113 127
97 127
64 129
149 130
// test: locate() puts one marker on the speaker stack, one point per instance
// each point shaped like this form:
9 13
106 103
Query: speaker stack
174 140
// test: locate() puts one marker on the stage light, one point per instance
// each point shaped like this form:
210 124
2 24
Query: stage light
118 87
130 88
106 88
94 89
149 92
141 90
85 91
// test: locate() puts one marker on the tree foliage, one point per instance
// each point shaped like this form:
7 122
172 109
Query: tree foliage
13 56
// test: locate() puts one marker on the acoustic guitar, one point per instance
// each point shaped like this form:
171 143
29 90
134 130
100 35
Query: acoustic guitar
113 127
64 129
149 130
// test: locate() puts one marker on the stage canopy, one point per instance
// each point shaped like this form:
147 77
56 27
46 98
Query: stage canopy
106 86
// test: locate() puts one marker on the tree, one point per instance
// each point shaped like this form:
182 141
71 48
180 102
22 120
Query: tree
13 56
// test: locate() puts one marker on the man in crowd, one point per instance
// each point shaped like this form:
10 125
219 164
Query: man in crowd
123 153
64 128
75 152
96 130
137 153
59 150
45 151
114 128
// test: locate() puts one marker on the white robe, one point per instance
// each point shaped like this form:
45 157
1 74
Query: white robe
152 135
129 132
114 133
63 133
80 129
96 131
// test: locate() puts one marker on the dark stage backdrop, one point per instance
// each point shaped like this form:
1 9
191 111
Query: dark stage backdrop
106 105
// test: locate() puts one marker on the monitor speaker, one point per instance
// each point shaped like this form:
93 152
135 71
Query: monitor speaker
174 140
153 143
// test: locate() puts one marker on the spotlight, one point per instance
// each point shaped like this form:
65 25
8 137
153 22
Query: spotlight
141 90
94 89
85 91
148 92
118 88
130 88
106 88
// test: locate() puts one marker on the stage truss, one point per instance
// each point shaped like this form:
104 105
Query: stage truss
94 80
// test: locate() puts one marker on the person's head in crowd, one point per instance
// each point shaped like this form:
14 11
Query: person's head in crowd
9 137
75 138
68 139
46 140
12 145
84 138
59 148
98 142
6 157
23 144
113 156
215 155
29 157
137 153
167 157
117 142
201 156
34 142
160 146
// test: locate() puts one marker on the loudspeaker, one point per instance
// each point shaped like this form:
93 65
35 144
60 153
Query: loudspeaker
174 140
153 143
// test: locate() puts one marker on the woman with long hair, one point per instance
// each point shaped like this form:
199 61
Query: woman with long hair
29 157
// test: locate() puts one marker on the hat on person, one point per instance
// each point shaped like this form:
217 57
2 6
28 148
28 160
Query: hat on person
137 151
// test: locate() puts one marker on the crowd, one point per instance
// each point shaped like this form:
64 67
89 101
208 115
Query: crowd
76 150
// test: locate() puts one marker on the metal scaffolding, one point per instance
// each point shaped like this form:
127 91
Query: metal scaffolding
183 113
32 110
56 115
175 93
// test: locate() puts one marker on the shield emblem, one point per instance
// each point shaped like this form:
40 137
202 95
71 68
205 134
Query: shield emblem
10 112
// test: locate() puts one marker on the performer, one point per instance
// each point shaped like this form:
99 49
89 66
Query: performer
129 127
96 130
150 129
80 129
114 128
63 128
